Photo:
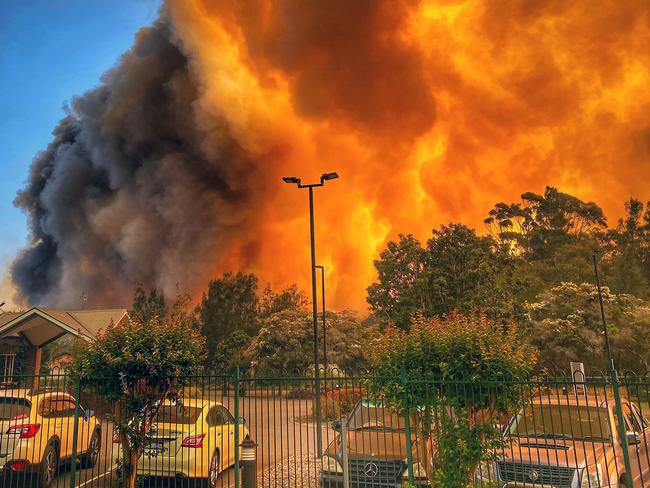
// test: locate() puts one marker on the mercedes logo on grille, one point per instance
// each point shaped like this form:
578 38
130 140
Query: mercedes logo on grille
533 475
371 470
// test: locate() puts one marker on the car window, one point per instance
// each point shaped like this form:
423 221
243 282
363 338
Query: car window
14 408
56 407
227 418
642 420
214 417
178 414
631 420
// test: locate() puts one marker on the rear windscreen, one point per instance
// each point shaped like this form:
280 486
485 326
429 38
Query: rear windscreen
173 414
11 408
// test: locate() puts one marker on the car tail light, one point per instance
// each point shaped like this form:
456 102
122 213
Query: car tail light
26 431
18 466
193 441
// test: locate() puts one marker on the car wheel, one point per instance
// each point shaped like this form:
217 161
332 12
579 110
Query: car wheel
90 458
48 467
213 470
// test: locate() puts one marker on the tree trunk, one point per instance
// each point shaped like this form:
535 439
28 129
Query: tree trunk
133 467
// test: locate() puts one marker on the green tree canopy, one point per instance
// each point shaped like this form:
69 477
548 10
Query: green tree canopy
147 306
230 304
285 342
232 310
458 270
135 367
564 323
445 372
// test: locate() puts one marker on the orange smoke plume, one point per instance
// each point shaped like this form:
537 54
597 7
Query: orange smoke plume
430 111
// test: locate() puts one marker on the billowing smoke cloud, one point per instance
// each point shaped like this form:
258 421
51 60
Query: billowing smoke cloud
169 171
124 194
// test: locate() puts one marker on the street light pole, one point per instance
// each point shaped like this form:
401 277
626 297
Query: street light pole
602 316
317 407
322 293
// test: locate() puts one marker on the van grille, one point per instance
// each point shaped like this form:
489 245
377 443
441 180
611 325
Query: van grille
558 476
388 472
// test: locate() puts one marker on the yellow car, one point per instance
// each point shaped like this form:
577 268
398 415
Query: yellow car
193 441
36 434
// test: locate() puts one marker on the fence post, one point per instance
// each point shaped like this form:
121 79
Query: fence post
236 409
345 461
75 434
407 427
622 431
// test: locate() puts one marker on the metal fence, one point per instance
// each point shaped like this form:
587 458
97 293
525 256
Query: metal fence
551 432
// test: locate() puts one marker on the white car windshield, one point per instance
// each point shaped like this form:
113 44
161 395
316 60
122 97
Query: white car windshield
578 422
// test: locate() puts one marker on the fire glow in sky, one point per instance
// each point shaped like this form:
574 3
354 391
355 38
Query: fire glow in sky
170 171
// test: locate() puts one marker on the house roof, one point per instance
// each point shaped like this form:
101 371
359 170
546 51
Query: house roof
39 326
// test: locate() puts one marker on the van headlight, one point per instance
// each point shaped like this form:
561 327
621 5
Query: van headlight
486 472
592 477
331 465
419 472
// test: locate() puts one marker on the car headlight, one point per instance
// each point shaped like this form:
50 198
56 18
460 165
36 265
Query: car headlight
592 477
486 471
331 465
419 472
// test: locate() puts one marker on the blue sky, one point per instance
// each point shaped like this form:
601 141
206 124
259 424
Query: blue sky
51 50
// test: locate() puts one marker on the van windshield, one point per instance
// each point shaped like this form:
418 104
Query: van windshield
13 407
369 415
578 422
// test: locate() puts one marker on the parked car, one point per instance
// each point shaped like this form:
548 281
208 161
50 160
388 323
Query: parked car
195 440
571 441
37 434
376 443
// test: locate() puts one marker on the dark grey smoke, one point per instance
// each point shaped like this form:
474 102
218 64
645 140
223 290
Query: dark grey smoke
124 194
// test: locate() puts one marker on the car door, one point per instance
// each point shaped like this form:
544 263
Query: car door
228 426
637 461
57 414
642 456
217 432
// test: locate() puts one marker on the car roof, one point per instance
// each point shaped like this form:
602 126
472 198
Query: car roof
30 394
575 400
196 403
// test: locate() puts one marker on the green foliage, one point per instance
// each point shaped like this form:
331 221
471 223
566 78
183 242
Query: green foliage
285 342
231 312
135 367
229 353
230 304
565 324
145 307
461 373
458 270
462 444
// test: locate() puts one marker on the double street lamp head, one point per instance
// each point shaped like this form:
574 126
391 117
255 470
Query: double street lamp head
291 179
297 181
328 176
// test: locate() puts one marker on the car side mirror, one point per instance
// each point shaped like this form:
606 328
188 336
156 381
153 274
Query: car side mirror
88 414
632 438
336 425
241 421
